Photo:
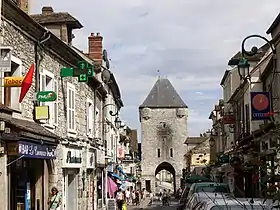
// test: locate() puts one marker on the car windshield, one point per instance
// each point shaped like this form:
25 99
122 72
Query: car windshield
236 207
218 189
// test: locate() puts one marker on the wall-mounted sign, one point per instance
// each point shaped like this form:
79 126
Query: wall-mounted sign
46 96
260 105
72 157
42 113
90 159
121 153
31 150
5 59
13 81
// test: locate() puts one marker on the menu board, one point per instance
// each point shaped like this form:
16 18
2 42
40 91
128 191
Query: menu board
111 204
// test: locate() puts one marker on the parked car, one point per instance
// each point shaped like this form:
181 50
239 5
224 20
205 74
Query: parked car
208 187
201 196
232 204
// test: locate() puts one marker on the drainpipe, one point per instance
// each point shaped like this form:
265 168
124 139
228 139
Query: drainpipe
38 59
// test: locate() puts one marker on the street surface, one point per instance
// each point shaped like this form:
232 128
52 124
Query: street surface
155 206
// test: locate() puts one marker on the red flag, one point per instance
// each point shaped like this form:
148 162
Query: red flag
26 83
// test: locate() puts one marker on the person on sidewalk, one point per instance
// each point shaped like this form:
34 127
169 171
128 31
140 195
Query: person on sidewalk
137 195
133 195
127 196
120 199
151 199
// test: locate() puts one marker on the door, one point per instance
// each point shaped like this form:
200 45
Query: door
148 185
72 191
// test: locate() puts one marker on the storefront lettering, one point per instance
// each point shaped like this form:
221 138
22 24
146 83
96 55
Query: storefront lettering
32 150
73 158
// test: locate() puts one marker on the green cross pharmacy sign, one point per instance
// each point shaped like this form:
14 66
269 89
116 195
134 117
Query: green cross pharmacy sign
83 72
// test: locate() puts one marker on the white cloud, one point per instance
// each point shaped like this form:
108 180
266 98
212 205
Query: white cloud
189 41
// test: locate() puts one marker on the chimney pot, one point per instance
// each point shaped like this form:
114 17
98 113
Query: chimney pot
97 34
47 10
92 34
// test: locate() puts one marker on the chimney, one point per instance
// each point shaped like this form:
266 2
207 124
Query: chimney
95 47
23 5
47 10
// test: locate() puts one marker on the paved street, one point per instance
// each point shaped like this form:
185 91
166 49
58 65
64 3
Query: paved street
156 206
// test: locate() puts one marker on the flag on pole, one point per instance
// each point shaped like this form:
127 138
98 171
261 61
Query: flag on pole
27 82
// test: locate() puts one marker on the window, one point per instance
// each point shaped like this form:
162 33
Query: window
158 153
71 108
10 95
89 117
48 83
171 152
97 123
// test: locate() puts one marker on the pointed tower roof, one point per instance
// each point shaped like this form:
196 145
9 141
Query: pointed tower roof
163 95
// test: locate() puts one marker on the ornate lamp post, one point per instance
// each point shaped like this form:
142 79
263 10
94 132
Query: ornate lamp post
243 65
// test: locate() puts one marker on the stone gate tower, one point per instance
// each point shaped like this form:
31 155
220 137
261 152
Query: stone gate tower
163 117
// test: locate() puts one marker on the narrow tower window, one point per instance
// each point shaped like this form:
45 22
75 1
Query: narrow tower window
158 153
171 152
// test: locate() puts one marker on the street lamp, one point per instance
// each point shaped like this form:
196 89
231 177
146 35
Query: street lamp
118 122
212 142
243 65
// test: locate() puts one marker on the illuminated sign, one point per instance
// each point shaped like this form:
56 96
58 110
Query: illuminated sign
13 81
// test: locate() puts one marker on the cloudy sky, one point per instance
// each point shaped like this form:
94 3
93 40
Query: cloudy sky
189 41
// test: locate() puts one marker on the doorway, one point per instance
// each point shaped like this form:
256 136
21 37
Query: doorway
71 190
148 185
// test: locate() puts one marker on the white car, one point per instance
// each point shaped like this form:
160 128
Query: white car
199 197
232 204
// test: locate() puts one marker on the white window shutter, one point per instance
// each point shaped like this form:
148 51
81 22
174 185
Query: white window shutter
87 117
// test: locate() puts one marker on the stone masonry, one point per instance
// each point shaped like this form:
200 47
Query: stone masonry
23 49
163 117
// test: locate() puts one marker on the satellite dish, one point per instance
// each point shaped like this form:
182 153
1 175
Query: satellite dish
105 55
107 64
106 76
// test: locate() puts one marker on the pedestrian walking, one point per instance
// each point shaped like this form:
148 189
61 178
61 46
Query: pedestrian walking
137 195
54 200
127 196
120 199
151 198
133 195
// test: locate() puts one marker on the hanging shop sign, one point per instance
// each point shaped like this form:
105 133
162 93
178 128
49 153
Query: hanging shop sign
5 59
72 157
121 154
260 105
42 112
46 96
13 81
90 159
31 150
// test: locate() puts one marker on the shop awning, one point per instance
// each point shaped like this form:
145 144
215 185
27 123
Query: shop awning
116 176
28 129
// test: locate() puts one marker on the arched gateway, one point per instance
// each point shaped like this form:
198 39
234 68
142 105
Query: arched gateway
163 117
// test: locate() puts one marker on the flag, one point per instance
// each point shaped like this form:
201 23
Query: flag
26 83
112 187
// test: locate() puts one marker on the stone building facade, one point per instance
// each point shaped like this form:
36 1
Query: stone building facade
76 135
163 117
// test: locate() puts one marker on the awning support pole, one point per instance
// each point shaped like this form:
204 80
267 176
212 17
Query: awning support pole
15 160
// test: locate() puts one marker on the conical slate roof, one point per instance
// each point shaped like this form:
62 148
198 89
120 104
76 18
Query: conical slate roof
163 95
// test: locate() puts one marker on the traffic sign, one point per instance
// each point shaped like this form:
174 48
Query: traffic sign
46 96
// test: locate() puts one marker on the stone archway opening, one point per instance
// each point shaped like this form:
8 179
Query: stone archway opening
165 177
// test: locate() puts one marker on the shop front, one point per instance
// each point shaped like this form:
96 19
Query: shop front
72 164
100 198
90 166
28 174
